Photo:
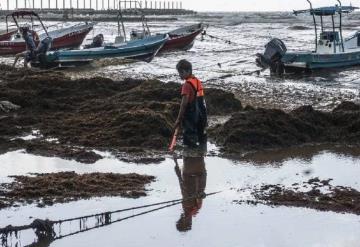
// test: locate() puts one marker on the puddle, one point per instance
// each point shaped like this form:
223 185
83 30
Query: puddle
218 222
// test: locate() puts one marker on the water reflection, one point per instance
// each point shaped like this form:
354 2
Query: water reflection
192 180
306 154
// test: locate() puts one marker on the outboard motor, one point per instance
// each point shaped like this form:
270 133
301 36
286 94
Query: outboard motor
43 47
98 41
274 51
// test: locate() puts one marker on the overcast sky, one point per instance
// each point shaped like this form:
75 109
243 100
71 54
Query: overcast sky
210 5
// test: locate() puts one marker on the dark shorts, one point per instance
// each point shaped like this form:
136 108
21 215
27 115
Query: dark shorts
193 136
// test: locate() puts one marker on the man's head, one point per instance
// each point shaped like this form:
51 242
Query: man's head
184 68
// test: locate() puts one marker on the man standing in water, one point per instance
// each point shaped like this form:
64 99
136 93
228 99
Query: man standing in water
193 114
193 119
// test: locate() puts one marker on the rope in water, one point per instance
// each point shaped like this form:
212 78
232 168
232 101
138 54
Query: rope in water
118 220
203 68
227 41
46 225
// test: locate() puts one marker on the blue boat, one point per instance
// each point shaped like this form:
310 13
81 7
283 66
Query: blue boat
142 46
332 50
143 49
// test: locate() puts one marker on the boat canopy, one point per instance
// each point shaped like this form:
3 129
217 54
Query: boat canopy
327 11
23 13
16 15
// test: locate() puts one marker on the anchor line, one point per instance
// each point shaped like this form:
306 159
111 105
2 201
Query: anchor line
118 220
45 227
125 210
227 41
203 68
258 72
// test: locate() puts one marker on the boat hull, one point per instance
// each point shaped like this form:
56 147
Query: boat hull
144 50
312 61
69 40
182 42
7 36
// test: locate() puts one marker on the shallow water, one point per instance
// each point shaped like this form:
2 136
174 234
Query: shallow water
249 32
220 221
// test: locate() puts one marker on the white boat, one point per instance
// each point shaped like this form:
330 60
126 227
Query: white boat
332 50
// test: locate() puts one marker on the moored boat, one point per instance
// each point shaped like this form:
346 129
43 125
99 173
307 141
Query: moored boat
143 49
183 38
332 50
179 39
69 37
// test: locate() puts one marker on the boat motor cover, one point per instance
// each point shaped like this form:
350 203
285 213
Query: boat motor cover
274 51
98 41
44 46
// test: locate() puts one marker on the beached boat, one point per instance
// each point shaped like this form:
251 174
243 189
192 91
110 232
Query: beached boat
70 37
142 49
332 50
183 38
142 46
179 39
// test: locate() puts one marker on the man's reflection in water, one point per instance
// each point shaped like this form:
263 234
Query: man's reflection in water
192 180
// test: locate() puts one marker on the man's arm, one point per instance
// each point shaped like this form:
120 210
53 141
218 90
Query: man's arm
184 103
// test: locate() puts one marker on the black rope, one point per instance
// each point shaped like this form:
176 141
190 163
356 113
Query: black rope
219 65
107 223
45 227
122 210
227 41
257 72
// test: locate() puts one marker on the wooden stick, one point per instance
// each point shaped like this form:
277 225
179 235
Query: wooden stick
173 141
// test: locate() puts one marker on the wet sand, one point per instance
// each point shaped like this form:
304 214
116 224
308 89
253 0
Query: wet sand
63 187
72 117
315 193
130 116
257 128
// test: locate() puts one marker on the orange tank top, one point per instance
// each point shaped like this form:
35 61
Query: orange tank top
196 83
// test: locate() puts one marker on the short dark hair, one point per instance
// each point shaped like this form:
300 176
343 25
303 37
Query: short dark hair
184 65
